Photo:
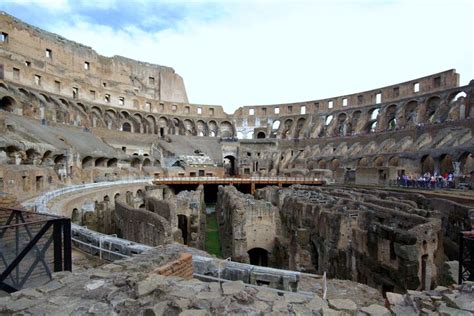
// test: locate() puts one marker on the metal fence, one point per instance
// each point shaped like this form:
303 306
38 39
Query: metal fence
466 256
32 247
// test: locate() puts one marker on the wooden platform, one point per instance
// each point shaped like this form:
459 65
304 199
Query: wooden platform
279 181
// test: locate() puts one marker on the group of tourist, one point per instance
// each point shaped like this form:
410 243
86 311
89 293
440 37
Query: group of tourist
427 181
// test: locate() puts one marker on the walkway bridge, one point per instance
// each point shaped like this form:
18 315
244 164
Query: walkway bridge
252 181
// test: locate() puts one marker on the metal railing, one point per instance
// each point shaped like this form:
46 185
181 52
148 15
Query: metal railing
32 247
466 256
41 203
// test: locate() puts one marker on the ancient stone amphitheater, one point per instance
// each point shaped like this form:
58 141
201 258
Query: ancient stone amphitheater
321 206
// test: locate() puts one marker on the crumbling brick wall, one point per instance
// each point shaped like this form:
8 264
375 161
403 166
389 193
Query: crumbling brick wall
181 267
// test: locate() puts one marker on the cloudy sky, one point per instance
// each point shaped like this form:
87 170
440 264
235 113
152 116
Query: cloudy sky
246 52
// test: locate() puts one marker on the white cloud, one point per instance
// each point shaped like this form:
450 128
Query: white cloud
269 53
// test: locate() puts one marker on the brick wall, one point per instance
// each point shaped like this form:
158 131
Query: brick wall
182 267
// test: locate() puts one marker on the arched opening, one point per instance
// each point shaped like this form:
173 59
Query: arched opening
378 162
101 162
260 135
341 125
427 164
363 162
229 165
322 164
467 163
112 162
76 217
146 162
411 113
393 161
446 164
135 163
258 257
431 107
391 117
335 163
7 104
126 127
183 226
227 130
116 196
87 162
276 125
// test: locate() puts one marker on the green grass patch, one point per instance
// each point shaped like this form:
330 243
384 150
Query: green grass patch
212 235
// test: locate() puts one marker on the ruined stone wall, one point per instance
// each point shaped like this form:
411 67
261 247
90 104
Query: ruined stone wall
185 213
141 226
246 224
388 244
65 65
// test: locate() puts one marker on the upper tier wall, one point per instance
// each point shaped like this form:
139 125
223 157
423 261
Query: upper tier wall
63 65
432 83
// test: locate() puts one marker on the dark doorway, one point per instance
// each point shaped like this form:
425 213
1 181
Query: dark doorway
261 135
229 164
39 183
258 257
315 257
183 225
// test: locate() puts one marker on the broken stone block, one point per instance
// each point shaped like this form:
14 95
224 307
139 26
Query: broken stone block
394 298
343 305
375 310
234 287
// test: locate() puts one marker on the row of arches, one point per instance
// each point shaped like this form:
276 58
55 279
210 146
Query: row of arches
392 116
62 110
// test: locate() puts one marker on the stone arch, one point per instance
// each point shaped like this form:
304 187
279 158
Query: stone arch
335 163
229 165
7 104
87 162
135 163
146 162
299 127
101 162
226 129
126 127
113 162
286 128
189 127
391 117
76 217
371 125
467 163
139 127
341 129
363 162
322 164
432 106
427 164
354 123
258 256
446 163
96 117
261 135
212 128
110 119
201 128
410 113
152 124
394 161
379 161
162 126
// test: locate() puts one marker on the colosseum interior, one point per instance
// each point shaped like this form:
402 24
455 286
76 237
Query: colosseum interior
286 192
